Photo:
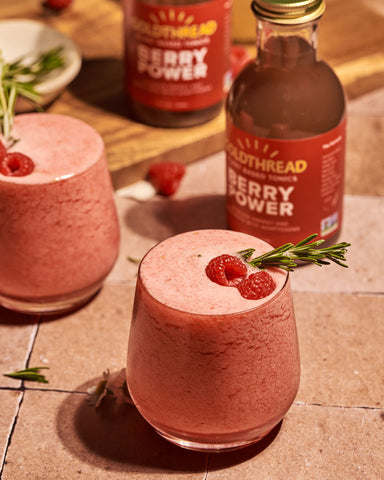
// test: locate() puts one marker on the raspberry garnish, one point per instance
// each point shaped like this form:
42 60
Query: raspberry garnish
166 176
257 285
226 270
16 164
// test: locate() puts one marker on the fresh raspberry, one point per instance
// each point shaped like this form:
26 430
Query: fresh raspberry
226 270
57 4
257 285
3 150
166 176
16 164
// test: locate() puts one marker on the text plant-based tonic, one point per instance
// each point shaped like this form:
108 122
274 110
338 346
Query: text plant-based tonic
286 127
177 68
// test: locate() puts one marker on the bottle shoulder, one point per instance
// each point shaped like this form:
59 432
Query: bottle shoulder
253 78
308 99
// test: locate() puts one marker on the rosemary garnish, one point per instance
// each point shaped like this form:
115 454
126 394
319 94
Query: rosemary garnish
20 78
289 256
32 374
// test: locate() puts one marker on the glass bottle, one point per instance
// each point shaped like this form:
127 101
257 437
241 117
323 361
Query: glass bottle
177 69
286 125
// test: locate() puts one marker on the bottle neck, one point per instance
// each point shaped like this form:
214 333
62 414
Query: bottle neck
286 46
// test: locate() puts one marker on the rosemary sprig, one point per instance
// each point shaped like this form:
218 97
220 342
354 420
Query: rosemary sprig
32 374
20 78
289 256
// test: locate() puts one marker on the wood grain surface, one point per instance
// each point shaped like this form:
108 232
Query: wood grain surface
351 40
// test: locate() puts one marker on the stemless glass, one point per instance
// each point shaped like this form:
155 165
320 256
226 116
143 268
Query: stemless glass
209 380
59 232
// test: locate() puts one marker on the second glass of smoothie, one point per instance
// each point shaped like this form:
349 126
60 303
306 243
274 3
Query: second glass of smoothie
209 369
59 232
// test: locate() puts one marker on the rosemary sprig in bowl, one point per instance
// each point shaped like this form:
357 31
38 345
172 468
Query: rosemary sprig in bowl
20 78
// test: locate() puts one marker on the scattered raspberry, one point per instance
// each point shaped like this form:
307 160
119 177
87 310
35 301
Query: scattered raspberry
257 285
57 4
16 164
226 270
166 176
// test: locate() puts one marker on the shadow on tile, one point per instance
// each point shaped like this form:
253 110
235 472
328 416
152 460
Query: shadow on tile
118 436
10 317
161 218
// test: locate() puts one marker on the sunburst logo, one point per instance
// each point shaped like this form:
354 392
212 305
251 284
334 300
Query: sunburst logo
171 16
171 24
254 144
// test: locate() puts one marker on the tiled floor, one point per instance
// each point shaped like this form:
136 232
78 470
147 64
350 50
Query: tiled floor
334 430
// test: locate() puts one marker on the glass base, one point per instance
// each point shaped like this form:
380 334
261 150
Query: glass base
49 306
201 446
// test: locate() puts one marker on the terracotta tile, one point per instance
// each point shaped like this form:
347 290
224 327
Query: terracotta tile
206 176
365 257
61 437
341 344
364 171
370 104
16 336
78 347
314 443
9 401
132 244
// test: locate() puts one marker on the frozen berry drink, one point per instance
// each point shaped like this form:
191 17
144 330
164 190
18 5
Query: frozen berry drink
213 359
59 234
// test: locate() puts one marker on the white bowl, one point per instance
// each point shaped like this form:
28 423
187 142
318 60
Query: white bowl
19 38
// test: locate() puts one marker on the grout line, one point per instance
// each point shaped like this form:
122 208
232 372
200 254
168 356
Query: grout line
209 456
10 434
363 407
32 342
378 293
21 389
54 390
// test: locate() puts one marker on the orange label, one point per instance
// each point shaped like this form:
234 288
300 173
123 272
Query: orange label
177 57
285 190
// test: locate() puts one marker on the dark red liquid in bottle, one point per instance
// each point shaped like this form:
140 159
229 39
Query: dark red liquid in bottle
286 92
286 140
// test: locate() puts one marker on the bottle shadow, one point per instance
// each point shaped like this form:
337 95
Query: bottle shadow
115 435
162 218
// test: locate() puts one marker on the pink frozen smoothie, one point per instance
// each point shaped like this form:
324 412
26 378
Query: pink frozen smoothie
208 368
59 234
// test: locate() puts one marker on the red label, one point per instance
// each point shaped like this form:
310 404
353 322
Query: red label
285 190
177 57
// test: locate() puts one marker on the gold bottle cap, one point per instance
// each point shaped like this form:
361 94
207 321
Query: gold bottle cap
289 12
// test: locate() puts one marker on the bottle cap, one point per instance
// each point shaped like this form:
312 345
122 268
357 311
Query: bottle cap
288 11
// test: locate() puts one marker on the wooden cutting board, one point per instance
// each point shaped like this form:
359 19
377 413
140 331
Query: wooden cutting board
351 40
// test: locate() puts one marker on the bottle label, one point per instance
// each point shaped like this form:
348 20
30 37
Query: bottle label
177 57
285 190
